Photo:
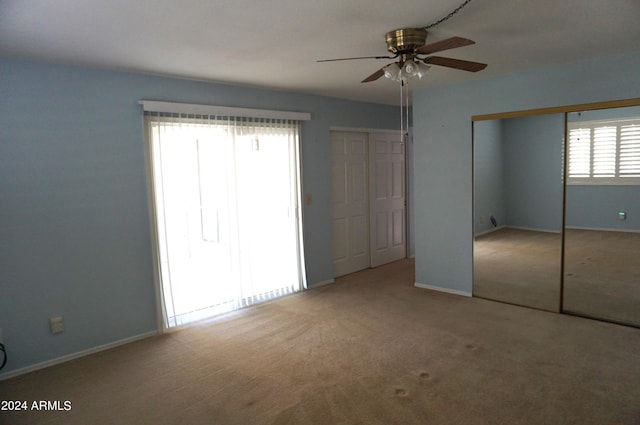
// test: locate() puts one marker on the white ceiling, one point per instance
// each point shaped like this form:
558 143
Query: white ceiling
275 43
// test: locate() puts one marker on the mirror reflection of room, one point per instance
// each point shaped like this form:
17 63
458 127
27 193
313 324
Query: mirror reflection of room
602 215
518 210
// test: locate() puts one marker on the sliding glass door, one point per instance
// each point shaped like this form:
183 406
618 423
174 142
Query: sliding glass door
226 198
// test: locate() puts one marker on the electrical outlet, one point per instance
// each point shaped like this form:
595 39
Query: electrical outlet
56 324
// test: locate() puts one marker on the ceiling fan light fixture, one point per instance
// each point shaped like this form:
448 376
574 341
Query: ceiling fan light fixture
392 71
409 69
422 69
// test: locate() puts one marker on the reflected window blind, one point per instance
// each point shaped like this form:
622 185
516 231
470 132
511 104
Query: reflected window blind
604 152
629 162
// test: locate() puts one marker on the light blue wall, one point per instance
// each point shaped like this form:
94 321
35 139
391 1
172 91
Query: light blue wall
443 155
488 175
597 207
410 184
518 172
74 226
522 186
533 171
604 114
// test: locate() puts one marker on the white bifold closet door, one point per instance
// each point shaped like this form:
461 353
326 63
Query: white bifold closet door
226 206
387 202
368 199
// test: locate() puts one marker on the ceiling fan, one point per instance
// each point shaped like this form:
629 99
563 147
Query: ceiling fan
408 45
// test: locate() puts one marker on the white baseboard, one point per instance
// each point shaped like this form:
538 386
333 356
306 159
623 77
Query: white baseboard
323 283
490 230
534 229
446 290
73 356
603 229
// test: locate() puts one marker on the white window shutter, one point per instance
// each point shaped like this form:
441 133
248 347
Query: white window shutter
580 153
604 152
630 150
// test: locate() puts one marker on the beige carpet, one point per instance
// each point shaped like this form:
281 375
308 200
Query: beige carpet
519 267
369 349
601 271
602 274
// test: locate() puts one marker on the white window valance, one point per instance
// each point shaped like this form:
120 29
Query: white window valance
188 108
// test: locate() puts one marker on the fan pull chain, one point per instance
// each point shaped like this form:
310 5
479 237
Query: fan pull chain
401 109
404 110
406 134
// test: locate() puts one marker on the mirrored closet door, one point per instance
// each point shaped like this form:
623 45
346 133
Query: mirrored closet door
602 215
557 226
517 200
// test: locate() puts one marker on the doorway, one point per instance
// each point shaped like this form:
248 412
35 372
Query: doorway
369 199
225 201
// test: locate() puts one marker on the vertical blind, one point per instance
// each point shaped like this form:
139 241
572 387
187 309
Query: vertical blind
226 193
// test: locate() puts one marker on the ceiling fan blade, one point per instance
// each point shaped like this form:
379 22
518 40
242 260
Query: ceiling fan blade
379 73
455 63
361 57
446 44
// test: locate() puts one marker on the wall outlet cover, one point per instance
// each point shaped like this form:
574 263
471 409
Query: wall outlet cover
56 324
